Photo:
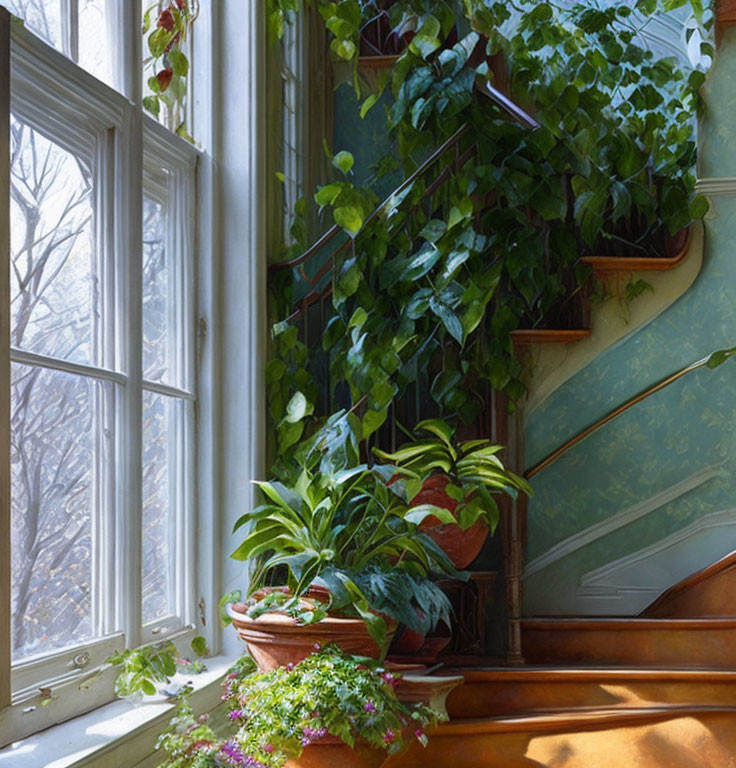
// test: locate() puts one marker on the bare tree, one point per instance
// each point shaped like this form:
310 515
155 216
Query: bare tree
52 412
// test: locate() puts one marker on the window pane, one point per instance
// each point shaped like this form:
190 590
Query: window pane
157 304
52 468
41 16
94 39
54 279
161 437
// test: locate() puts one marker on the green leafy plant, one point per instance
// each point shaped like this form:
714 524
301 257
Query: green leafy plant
472 467
433 285
165 28
352 533
274 716
141 668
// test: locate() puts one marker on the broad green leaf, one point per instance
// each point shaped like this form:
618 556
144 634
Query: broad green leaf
719 357
327 194
433 230
699 206
349 218
298 407
343 161
179 62
449 319
199 646
368 104
418 514
158 40
344 49
151 104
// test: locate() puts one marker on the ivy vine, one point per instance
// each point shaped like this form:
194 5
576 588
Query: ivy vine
440 277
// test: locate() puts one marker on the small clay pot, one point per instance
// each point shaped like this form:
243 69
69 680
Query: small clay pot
462 547
275 640
331 752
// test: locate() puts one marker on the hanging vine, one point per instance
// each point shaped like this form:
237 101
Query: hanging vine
440 278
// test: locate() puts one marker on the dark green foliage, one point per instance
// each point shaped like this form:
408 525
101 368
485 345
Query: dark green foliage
353 532
438 281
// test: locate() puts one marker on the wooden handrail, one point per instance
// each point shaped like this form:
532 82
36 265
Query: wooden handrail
335 230
493 94
614 414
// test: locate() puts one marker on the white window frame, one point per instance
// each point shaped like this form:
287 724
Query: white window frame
53 92
178 160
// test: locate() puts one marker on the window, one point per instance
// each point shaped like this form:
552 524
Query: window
101 357
80 29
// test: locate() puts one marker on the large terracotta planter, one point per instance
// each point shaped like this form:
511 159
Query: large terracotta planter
331 752
462 547
275 640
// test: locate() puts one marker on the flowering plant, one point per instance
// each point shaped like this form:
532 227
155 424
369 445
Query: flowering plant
165 26
274 715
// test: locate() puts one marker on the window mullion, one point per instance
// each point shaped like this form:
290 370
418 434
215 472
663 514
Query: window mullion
129 259
70 16
5 685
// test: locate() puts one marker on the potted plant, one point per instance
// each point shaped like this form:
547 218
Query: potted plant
456 505
349 562
331 709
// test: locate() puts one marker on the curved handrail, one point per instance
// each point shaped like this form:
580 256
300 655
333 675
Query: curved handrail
712 361
335 230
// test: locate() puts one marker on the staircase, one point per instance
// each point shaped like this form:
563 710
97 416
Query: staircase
658 690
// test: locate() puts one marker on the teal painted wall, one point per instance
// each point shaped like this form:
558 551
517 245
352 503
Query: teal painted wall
674 435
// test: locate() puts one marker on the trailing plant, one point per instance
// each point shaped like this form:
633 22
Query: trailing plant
165 28
472 467
141 668
353 534
275 715
442 275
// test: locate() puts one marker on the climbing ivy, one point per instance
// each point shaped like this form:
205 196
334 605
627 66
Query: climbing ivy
439 279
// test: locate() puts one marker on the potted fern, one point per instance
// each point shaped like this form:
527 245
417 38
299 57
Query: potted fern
339 558
456 505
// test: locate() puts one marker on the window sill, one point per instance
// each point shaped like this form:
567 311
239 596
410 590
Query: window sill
118 734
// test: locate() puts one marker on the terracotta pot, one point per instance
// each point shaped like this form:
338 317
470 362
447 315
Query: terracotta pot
462 547
331 752
275 640
407 641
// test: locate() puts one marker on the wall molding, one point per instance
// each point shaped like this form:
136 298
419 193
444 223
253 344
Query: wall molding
631 514
714 186
590 583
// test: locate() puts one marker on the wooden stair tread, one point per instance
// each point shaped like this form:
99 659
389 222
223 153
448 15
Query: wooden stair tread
590 673
593 717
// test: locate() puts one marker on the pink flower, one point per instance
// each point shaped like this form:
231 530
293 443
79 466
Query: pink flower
268 749
369 706
392 680
389 736
317 647
419 733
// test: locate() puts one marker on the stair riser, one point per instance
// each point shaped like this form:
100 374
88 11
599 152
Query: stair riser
505 698
629 645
